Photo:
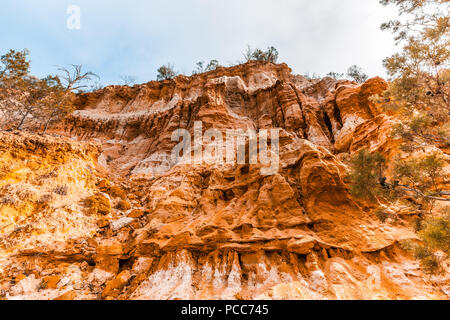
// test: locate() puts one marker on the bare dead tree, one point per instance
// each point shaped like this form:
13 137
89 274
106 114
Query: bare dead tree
73 79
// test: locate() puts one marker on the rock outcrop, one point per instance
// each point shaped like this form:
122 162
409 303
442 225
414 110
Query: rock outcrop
99 210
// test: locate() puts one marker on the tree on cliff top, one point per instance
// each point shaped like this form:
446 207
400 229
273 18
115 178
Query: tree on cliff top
356 74
24 97
201 67
166 72
270 55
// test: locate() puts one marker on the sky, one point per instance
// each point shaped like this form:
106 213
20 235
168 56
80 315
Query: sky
135 37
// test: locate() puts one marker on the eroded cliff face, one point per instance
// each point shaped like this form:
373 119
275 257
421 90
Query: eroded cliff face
102 214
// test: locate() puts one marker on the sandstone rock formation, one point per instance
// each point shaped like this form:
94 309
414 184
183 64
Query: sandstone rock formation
96 210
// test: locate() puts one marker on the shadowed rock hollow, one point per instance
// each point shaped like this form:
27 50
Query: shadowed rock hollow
102 214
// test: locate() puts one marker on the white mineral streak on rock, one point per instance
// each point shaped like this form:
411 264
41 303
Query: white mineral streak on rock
234 284
26 286
318 282
175 282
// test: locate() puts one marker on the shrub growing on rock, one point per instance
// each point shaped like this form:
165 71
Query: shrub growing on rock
24 97
270 55
166 72
201 67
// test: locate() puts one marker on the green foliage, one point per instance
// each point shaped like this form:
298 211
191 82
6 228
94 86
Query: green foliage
270 55
356 74
418 94
420 76
420 123
419 128
24 97
365 174
432 166
408 171
166 72
436 233
422 173
201 67
335 75
428 259
15 65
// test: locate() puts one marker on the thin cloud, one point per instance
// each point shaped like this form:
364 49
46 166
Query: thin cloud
135 37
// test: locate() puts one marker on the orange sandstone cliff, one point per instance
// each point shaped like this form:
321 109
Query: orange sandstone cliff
95 211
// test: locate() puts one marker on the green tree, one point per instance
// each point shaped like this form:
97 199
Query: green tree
422 176
365 175
435 247
335 75
417 181
201 67
25 97
436 232
356 74
420 74
418 95
270 55
419 177
166 72
15 66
